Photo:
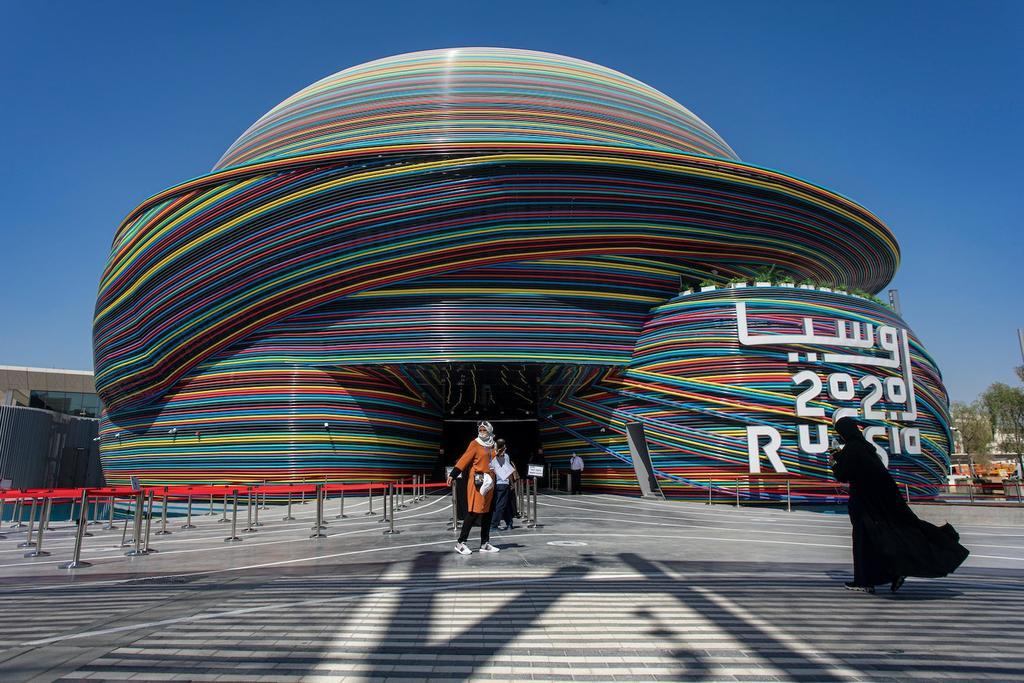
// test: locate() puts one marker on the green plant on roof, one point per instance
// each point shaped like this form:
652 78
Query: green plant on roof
765 274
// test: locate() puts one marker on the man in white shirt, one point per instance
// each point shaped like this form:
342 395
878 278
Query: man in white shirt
575 474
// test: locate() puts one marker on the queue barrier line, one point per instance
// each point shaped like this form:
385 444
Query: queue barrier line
140 503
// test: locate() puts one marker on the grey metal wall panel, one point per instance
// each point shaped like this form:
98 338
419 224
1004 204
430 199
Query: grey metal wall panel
34 443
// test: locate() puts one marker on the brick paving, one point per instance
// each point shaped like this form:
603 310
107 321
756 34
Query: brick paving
660 591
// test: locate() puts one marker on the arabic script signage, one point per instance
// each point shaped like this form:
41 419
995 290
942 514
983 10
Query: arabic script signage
848 362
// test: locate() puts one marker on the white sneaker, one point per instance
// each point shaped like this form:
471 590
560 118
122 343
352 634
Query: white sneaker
463 549
488 548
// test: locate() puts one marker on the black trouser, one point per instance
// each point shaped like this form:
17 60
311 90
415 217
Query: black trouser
484 518
576 479
502 511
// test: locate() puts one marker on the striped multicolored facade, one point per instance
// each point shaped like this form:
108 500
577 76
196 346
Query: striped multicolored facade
275 319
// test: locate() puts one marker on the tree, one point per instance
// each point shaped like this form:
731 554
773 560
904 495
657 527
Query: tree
975 428
1005 408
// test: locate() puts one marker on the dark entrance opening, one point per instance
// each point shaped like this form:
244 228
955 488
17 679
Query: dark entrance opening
522 436
504 394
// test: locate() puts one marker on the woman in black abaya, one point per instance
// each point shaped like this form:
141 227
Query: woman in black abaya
889 542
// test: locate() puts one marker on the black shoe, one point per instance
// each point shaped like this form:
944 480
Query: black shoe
851 586
897 583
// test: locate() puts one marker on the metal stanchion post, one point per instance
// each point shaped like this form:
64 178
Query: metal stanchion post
906 490
71 512
526 512
16 515
256 517
318 524
44 519
288 516
49 519
387 496
149 522
970 491
84 512
302 501
163 516
110 512
391 513
737 491
3 503
28 543
248 512
341 506
536 494
124 530
401 495
370 510
188 514
76 557
137 527
234 518
95 512
711 488
211 513
224 510
789 497
454 524
533 516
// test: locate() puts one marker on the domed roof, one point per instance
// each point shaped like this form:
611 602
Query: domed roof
477 96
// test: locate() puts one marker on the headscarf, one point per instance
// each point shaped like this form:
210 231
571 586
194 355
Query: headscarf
488 441
847 428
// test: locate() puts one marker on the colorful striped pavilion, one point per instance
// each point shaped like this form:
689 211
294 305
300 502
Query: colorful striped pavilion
425 240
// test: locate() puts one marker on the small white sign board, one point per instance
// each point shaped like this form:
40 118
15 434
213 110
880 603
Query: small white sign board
535 470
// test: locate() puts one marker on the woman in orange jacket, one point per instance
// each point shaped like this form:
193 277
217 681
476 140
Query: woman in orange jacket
476 464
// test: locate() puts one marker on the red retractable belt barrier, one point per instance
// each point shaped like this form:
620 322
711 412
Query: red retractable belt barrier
185 490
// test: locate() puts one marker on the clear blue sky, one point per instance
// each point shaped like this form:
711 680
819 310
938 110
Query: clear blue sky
913 109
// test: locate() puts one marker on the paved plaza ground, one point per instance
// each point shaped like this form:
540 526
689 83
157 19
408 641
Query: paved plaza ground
608 588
